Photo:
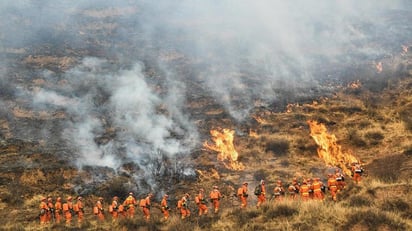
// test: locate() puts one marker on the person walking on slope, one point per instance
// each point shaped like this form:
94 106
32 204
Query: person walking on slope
317 189
260 192
242 193
79 209
357 171
50 212
68 210
215 196
98 209
279 191
165 207
43 211
304 191
146 204
183 205
129 204
340 179
333 187
58 210
201 202
114 208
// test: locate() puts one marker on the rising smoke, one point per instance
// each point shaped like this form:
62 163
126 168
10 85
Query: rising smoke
237 51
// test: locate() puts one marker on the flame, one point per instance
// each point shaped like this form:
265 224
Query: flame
259 119
223 144
328 149
379 67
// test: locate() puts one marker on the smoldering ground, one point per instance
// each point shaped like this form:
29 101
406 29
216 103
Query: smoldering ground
124 93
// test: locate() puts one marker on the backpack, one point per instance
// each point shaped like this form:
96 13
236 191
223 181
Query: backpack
258 190
76 208
65 207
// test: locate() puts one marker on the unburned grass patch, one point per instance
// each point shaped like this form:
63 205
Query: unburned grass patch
281 210
373 220
395 205
359 201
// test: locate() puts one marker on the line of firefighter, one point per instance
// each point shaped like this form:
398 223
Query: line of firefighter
309 189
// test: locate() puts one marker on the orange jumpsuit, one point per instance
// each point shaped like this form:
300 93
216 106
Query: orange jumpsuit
183 206
357 173
50 212
279 191
67 211
262 197
100 214
317 190
200 200
304 192
129 205
43 212
58 210
115 210
165 208
215 196
333 188
340 180
243 195
80 212
292 192
146 208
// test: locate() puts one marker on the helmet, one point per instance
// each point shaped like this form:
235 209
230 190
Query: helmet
100 198
245 183
49 199
59 198
79 198
43 199
69 198
262 182
215 187
115 198
304 182
201 190
130 193
166 195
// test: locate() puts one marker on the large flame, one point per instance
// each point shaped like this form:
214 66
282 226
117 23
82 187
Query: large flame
223 144
328 149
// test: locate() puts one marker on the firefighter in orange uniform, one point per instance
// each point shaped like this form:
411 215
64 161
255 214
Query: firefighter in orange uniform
340 179
317 189
293 191
183 205
243 194
304 191
129 204
79 209
58 210
332 186
43 211
262 196
50 212
114 208
68 210
357 171
279 191
215 197
165 207
145 204
201 202
98 209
